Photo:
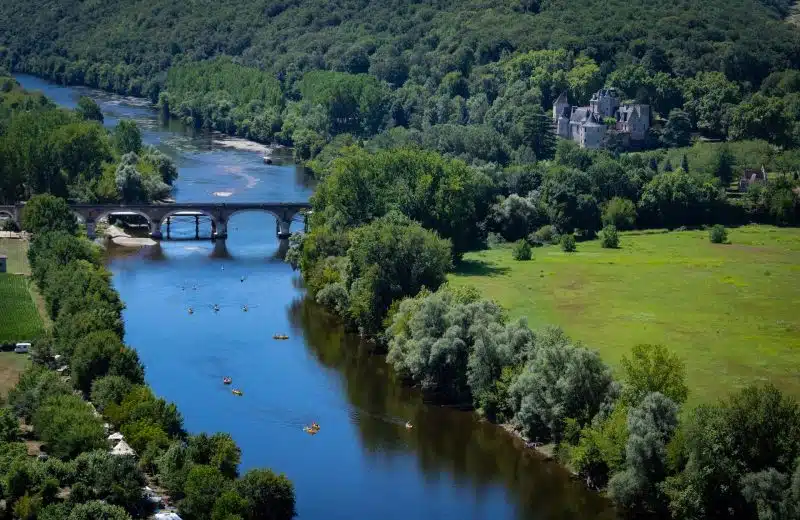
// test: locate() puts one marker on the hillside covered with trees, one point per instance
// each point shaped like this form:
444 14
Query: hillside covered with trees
474 79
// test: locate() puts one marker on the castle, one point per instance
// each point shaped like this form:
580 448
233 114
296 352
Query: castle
588 126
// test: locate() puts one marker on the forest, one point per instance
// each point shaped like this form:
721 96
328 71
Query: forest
79 479
467 79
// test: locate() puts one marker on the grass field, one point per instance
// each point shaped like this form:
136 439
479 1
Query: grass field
19 318
731 311
11 366
17 252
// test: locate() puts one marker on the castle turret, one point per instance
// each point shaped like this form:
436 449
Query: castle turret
560 105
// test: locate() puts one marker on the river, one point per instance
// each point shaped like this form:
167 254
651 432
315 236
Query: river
364 463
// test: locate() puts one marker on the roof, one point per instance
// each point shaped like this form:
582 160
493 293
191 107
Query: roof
562 99
122 448
580 114
116 437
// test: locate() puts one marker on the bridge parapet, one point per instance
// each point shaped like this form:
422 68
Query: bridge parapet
157 214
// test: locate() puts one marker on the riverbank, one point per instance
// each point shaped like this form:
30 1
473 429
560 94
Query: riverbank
119 237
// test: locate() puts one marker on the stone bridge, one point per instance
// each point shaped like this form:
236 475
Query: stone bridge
159 214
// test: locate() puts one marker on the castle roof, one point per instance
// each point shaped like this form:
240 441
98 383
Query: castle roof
562 99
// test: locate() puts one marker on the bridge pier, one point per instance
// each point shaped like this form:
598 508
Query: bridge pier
283 228
155 229
90 229
219 230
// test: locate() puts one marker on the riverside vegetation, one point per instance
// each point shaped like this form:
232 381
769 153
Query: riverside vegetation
107 384
46 149
388 226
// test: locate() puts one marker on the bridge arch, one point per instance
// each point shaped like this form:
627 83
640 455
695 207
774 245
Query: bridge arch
218 226
283 217
6 213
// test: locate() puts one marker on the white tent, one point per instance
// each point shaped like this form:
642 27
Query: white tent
164 515
115 437
122 448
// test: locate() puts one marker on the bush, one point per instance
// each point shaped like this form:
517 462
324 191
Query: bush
545 235
619 212
609 238
568 244
718 234
522 250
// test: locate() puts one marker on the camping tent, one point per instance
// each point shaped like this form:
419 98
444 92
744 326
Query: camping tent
167 515
122 448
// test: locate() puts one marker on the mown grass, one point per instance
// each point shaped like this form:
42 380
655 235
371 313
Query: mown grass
729 310
11 366
19 318
17 252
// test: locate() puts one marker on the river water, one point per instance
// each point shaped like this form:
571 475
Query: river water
364 464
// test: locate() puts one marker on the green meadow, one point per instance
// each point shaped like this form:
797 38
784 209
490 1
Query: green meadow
19 318
729 310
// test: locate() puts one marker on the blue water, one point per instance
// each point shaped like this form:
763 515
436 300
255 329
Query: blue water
363 464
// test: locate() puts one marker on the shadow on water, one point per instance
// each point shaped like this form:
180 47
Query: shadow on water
443 440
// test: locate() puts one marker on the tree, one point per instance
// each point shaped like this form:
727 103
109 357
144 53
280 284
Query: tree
455 345
677 131
514 217
685 163
620 213
755 429
522 250
100 354
228 506
723 165
709 99
128 137
96 509
89 109
653 368
9 426
677 198
68 426
560 382
650 426
571 204
35 386
204 485
44 213
218 450
718 234
568 243
268 496
609 238
441 194
114 479
173 468
110 390
391 258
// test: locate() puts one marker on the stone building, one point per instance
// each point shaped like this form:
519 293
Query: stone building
588 125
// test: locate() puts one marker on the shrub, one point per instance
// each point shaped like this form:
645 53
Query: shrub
718 234
609 238
522 250
568 243
619 212
545 235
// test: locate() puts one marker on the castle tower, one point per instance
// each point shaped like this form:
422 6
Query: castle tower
560 105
